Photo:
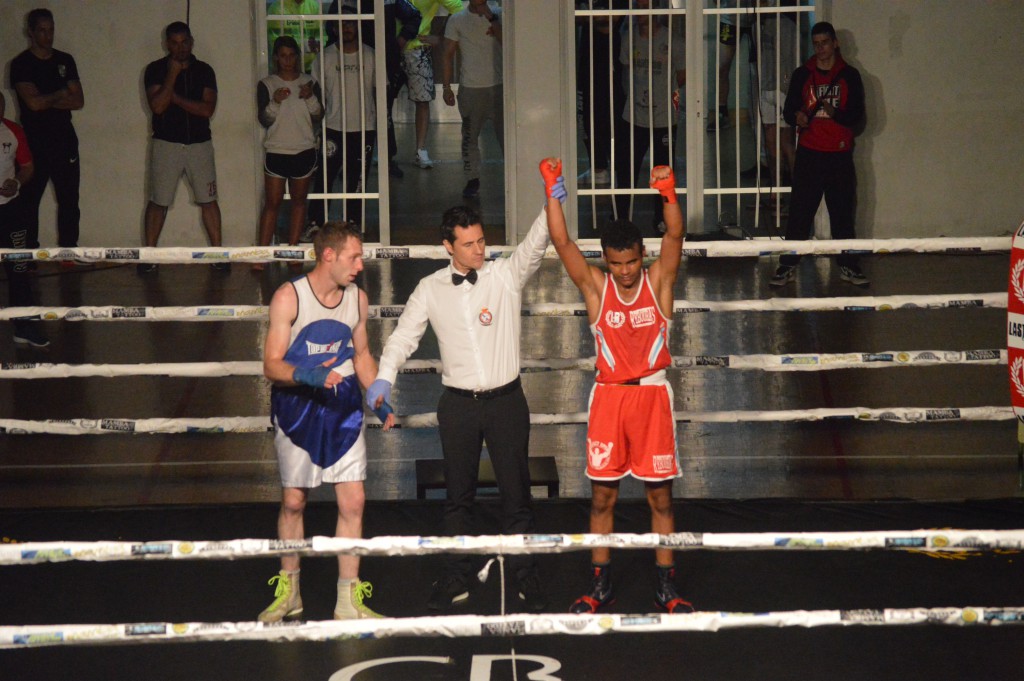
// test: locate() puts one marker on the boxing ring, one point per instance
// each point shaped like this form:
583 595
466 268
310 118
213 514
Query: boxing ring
975 554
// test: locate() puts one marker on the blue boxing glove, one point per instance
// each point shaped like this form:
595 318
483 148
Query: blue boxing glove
312 376
379 388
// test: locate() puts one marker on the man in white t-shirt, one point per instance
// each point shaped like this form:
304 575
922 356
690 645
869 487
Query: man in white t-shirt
475 33
350 117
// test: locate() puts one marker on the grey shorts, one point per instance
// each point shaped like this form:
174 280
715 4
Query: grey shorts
167 162
419 67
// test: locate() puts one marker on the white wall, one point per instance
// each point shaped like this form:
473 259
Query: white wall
943 148
112 42
940 154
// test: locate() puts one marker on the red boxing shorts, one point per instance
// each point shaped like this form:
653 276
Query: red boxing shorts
631 431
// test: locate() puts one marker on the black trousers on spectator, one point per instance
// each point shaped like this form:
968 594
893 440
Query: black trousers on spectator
344 149
395 83
504 423
55 158
625 173
817 174
14 234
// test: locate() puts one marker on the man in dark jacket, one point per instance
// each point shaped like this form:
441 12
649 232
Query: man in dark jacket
824 103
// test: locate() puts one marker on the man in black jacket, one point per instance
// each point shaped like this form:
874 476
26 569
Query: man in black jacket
824 103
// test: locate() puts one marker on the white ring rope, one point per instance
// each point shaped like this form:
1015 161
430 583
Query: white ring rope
794 362
471 625
257 424
223 313
591 249
944 540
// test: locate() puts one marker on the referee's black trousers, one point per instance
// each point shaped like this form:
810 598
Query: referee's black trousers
504 423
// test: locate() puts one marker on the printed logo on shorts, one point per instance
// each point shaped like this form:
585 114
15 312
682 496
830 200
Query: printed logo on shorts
614 318
211 189
642 317
664 463
599 453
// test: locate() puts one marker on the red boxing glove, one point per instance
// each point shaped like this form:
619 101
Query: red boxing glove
665 186
550 174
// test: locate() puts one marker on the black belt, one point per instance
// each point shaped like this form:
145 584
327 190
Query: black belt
486 394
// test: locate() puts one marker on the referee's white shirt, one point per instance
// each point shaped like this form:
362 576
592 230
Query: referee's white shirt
477 325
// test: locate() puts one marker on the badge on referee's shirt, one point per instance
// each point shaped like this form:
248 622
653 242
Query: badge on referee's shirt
486 317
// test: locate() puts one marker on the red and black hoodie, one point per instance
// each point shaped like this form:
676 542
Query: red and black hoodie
809 88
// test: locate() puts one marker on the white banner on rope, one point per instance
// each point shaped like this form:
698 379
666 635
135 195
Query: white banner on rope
256 424
590 249
226 313
945 541
803 362
38 636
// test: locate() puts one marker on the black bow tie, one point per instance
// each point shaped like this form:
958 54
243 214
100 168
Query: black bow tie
458 278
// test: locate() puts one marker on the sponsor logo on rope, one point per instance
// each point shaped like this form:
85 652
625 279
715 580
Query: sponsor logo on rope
682 539
121 254
47 555
976 302
39 638
877 357
150 629
801 360
906 542
941 414
639 620
215 255
390 311
289 544
120 425
711 361
215 312
981 355
388 253
152 549
289 254
862 615
128 312
513 628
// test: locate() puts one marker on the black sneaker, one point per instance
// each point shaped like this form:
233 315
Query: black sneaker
853 275
600 593
394 171
145 267
783 275
472 189
448 590
28 333
667 597
530 592
221 266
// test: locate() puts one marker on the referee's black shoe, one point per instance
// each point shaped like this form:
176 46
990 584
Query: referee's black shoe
452 588
530 591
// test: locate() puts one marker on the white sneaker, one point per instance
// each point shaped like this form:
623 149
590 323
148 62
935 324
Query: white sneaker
423 159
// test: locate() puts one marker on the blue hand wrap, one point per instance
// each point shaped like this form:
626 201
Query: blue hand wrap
312 376
383 411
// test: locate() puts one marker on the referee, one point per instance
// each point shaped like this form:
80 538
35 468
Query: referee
474 308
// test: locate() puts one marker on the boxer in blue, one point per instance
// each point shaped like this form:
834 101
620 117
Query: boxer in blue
317 355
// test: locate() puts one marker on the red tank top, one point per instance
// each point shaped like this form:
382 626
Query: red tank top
631 338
